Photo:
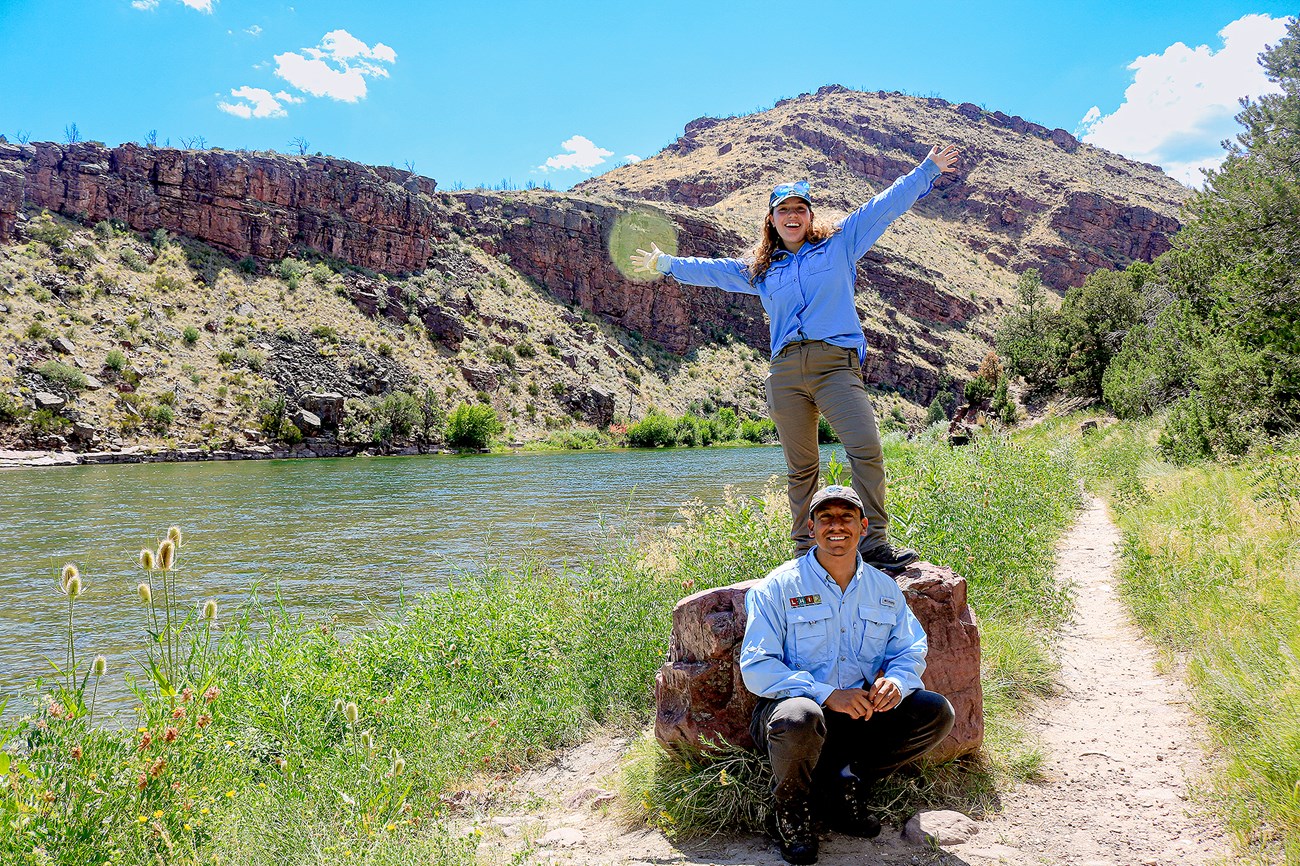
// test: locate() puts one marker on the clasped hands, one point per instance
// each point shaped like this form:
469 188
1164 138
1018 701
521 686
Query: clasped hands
861 703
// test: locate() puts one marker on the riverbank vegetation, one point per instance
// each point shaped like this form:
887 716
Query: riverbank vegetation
265 739
1209 572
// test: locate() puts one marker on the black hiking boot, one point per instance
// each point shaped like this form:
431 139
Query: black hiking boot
851 816
887 557
792 827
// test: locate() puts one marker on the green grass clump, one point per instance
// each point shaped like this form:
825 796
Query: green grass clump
63 375
1209 565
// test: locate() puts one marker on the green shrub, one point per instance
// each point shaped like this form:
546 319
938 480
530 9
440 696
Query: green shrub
758 430
168 283
47 230
502 355
159 239
525 349
472 426
132 259
190 335
251 358
825 433
655 430
158 418
115 360
44 422
935 412
10 409
62 375
37 331
398 416
247 265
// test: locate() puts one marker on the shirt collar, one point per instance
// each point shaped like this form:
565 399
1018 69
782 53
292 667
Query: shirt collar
824 575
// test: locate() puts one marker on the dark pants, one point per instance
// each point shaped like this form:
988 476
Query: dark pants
811 747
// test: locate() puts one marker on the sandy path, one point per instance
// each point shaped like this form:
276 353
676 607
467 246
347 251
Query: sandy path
1118 742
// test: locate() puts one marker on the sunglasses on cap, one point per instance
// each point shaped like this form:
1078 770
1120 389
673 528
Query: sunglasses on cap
783 191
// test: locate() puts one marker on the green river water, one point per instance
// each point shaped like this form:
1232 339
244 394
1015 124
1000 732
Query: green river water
337 537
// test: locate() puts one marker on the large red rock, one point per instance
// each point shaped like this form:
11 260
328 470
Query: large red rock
699 693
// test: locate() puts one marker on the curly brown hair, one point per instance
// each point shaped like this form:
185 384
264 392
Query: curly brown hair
760 255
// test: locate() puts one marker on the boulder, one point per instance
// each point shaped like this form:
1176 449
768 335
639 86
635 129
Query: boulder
699 692
46 400
64 345
328 408
308 422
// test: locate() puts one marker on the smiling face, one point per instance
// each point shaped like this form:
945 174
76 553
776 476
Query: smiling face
792 218
836 527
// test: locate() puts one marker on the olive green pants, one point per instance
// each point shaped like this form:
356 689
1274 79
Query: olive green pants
812 378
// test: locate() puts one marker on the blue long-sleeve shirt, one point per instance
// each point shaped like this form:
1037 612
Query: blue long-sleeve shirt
804 638
809 295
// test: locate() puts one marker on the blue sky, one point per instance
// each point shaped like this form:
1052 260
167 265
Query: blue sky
553 91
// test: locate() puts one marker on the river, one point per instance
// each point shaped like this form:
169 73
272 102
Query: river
337 537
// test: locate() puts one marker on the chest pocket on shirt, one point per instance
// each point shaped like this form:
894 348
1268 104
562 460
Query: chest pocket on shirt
876 624
809 634
818 260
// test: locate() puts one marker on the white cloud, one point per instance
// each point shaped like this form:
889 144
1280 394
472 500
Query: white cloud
254 30
582 154
631 157
257 103
1182 102
337 68
144 5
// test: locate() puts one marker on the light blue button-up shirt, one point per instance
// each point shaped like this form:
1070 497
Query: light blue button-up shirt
805 638
809 295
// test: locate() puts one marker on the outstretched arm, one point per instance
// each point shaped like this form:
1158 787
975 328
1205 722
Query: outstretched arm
864 226
727 274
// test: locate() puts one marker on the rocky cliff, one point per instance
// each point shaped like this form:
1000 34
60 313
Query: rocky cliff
448 263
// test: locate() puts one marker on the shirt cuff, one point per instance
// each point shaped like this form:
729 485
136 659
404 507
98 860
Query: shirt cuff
932 170
820 692
663 263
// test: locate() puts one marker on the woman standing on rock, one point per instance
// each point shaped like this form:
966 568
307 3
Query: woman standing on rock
804 274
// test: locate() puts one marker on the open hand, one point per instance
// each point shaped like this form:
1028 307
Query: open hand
647 261
946 159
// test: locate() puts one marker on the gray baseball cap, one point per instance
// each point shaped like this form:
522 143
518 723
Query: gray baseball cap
836 491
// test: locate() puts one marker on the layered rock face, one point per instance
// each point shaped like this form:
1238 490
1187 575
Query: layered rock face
699 693
244 204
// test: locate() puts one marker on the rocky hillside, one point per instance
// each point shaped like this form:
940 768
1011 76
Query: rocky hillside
190 289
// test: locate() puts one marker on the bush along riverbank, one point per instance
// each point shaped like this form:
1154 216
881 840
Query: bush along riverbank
1210 553
265 739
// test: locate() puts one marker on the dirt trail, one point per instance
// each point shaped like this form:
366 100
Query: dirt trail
1119 752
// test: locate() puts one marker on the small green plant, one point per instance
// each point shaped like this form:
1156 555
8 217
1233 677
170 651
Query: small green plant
247 266
115 360
37 331
190 335
46 229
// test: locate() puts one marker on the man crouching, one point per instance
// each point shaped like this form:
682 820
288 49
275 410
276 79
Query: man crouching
835 656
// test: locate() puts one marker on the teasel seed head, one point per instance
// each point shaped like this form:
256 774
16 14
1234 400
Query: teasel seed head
73 588
146 594
210 610
174 535
399 765
68 573
99 666
350 712
146 560
167 555
367 740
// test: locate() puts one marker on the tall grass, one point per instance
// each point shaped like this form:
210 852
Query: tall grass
267 739
1210 559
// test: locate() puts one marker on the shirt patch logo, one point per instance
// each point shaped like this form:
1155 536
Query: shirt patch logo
805 601
886 601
